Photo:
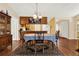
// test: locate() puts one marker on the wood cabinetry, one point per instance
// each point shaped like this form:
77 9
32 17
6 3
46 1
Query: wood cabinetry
5 41
44 20
28 19
24 20
5 31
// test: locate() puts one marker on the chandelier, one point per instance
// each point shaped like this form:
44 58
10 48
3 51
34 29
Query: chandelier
36 15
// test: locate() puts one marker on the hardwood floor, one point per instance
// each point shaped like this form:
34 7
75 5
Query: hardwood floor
68 47
68 50
8 50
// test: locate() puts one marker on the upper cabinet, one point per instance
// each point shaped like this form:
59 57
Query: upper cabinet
24 20
44 20
30 20
5 24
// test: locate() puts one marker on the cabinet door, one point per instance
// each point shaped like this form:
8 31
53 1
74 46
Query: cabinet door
9 39
2 19
24 20
8 25
3 42
8 20
44 20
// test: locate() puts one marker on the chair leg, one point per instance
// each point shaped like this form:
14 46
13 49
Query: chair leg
35 50
43 49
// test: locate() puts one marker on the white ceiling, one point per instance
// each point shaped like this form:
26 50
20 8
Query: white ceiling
57 10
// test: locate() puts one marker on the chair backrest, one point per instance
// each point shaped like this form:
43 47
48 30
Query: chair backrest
57 34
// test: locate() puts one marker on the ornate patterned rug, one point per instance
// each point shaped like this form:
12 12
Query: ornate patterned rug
26 51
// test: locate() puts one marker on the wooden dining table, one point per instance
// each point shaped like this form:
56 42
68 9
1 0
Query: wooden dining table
37 34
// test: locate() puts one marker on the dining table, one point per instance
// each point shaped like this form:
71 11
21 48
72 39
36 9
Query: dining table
37 34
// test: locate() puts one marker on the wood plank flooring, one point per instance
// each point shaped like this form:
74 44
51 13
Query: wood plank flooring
68 46
16 44
8 50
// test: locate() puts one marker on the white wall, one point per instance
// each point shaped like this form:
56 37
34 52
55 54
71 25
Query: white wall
15 28
46 9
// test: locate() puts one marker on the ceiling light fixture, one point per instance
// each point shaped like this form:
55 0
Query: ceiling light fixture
36 15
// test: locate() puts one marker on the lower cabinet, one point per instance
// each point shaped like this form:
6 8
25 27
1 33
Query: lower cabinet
5 41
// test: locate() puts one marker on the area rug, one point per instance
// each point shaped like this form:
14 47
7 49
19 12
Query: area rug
25 51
